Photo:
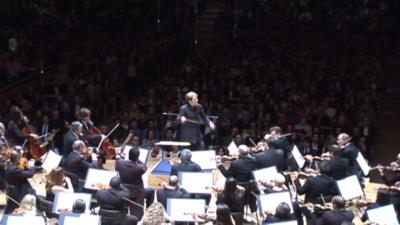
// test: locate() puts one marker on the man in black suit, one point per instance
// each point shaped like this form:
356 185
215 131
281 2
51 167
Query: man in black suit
75 163
17 182
186 164
241 170
338 165
189 118
130 172
338 215
316 186
271 157
171 190
93 138
350 151
277 141
70 137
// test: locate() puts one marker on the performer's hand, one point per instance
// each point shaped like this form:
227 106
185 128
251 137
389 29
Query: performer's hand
212 125
183 119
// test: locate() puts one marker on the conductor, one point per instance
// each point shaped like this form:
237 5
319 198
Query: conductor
190 117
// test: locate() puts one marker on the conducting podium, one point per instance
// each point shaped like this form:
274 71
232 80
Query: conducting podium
163 144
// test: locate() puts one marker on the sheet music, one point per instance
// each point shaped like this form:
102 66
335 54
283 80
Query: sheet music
265 174
269 202
19 220
196 182
182 209
298 157
144 153
383 215
51 161
80 219
363 164
233 149
65 200
350 187
205 159
97 176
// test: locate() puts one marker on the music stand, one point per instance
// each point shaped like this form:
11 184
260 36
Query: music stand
171 143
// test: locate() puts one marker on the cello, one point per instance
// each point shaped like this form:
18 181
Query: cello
35 148
105 144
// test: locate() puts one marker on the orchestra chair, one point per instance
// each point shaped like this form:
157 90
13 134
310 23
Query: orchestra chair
111 217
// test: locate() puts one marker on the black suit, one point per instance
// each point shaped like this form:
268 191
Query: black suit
166 193
92 139
338 168
77 165
336 217
271 157
69 138
351 152
190 131
18 185
131 173
111 199
241 170
185 167
314 187
235 201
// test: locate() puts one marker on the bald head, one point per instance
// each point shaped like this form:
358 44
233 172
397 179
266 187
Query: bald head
78 146
343 139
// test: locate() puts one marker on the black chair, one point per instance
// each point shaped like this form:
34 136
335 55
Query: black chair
238 217
111 217
46 206
74 180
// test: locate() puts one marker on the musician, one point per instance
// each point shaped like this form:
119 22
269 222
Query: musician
234 198
17 180
57 182
271 157
241 170
389 181
112 199
130 172
27 207
316 186
188 116
338 215
338 165
282 214
87 128
276 140
349 151
171 190
76 162
71 136
186 164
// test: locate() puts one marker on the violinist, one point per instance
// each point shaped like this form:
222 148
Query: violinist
27 207
389 181
171 190
271 157
337 216
89 132
233 197
17 179
57 182
338 165
76 161
349 151
316 186
74 133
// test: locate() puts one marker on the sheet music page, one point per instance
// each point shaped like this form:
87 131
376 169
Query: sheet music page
196 182
363 164
19 220
233 149
265 174
143 156
51 161
350 187
182 209
383 215
97 177
205 159
298 157
269 202
65 200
